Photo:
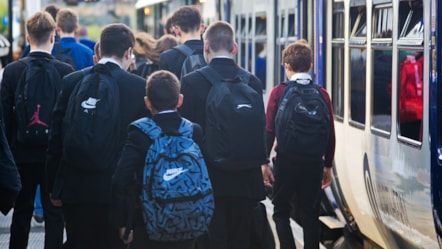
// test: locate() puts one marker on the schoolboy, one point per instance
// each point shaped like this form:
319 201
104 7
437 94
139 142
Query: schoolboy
162 99
302 177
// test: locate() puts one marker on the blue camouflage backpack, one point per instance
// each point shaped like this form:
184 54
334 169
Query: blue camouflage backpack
176 197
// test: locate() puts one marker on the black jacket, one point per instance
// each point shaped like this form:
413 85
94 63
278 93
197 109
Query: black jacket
195 88
126 188
172 59
64 181
12 73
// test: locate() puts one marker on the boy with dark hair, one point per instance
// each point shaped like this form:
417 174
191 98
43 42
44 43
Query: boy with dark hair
162 99
300 177
236 192
69 50
31 158
186 23
85 195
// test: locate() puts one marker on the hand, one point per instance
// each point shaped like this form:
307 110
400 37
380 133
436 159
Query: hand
267 175
129 239
326 177
55 202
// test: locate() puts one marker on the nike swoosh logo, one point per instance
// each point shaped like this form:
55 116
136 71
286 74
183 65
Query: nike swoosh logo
172 173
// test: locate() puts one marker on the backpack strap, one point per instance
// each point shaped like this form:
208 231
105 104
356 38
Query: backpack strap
184 49
148 127
186 128
214 77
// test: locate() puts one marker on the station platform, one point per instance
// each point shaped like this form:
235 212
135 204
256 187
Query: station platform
36 236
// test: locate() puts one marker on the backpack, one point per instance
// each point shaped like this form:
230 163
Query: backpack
35 97
64 55
194 59
177 200
235 122
302 122
92 133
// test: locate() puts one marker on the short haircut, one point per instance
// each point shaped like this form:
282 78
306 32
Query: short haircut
298 55
40 26
67 20
53 10
220 36
188 18
115 39
163 90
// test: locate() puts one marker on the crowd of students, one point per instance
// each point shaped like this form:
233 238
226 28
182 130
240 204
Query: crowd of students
92 205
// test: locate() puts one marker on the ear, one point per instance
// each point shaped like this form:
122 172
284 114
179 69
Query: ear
180 101
202 28
235 49
147 103
28 39
288 67
206 46
177 31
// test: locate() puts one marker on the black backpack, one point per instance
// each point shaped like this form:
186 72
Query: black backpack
64 55
194 59
92 122
35 97
235 122
302 122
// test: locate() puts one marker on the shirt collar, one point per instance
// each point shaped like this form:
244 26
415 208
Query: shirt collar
106 60
39 50
301 78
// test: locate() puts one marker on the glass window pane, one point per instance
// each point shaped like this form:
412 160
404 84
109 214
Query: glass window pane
357 84
410 93
338 81
382 75
383 25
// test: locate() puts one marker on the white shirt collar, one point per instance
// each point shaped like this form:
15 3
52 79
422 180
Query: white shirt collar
40 50
107 59
301 78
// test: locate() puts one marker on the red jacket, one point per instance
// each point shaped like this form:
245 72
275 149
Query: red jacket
272 108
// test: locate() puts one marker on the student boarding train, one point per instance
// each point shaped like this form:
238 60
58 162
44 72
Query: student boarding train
380 61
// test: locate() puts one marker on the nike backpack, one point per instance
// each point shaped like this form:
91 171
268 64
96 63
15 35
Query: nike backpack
302 122
91 127
194 59
176 198
235 122
35 97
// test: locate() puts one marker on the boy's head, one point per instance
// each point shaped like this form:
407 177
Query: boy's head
53 10
297 57
41 28
163 92
67 20
117 41
186 19
219 37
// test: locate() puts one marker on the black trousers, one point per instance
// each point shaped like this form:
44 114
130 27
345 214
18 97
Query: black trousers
31 175
232 224
301 180
88 226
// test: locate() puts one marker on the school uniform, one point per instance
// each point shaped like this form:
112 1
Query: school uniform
236 192
172 59
126 190
30 162
86 197
301 178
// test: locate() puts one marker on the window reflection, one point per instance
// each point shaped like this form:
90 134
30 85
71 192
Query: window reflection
382 60
357 94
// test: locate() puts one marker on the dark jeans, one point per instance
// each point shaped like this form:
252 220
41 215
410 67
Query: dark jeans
88 227
301 180
31 175
232 222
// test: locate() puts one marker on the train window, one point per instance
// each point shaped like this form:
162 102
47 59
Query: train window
338 24
358 62
338 80
410 84
358 22
411 23
381 88
383 21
